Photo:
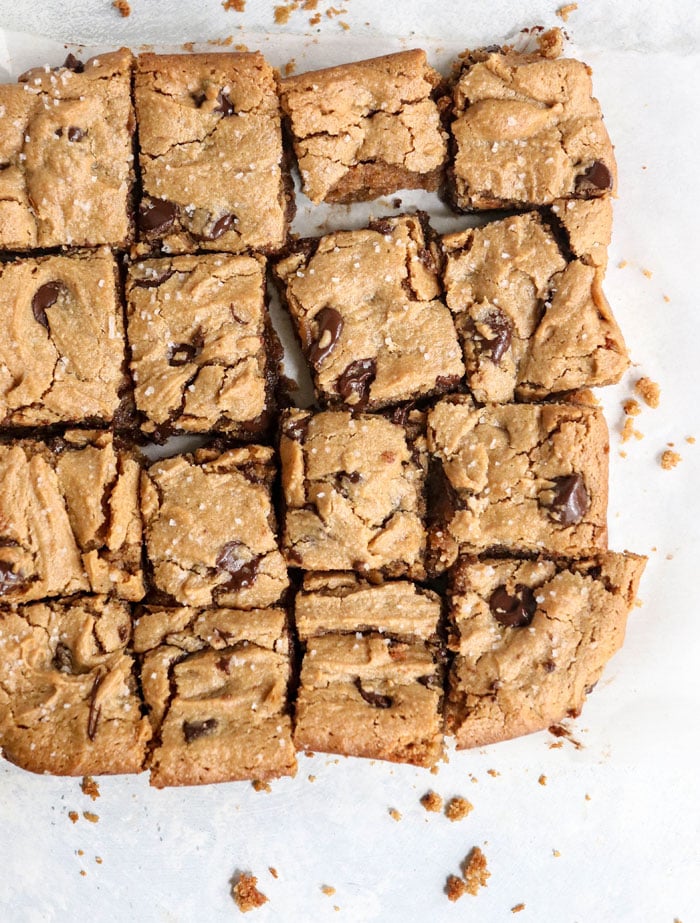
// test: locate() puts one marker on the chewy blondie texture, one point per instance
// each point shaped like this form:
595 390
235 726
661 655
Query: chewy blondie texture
353 492
212 165
203 353
371 678
62 356
527 131
522 477
531 639
366 129
529 307
215 682
366 311
210 528
69 703
69 518
66 159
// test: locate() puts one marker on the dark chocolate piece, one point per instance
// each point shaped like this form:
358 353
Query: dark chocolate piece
330 326
357 380
373 698
595 180
570 500
194 729
156 215
513 611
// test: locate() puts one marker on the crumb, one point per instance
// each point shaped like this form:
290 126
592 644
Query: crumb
628 431
282 13
240 47
690 440
493 772
83 873
309 4
631 407
434 770
431 801
328 889
74 816
246 894
315 19
622 454
475 871
648 273
556 853
90 787
80 852
458 808
396 203
395 814
237 5
519 907
671 445
557 745
622 264
273 871
667 299
336 908
542 779
345 25
261 786
122 7
290 67
93 818
188 46
332 11
563 13
551 43
588 797
670 459
455 887
649 391
98 860
312 778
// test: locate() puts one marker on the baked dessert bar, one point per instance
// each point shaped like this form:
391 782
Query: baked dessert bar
531 639
213 171
69 518
529 307
69 703
353 492
204 356
215 682
66 155
367 129
210 528
62 356
521 477
366 309
371 677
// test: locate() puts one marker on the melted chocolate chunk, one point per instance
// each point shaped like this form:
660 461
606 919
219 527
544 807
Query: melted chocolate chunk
153 281
74 64
447 382
431 681
219 228
502 335
354 384
63 658
401 413
241 573
513 611
330 325
43 298
183 353
570 501
296 429
373 698
156 215
95 710
224 105
194 729
595 180
75 133
9 579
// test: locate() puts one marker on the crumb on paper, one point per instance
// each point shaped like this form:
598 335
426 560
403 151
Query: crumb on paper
628 431
690 440
492 772
312 777
80 852
649 391
396 814
74 816
622 264
669 459
282 13
261 786
542 779
458 808
290 67
98 860
521 906
122 7
93 818
83 873
563 13
245 893
431 801
475 871
622 454
315 19
667 299
333 11
328 890
556 853
631 407
551 43
455 887
647 273
273 871
89 787
588 797
237 5
344 25
556 745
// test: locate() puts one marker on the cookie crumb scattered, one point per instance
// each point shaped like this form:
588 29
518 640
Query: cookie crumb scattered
588 797
246 894
89 787
458 808
517 908
556 853
83 873
315 19
290 67
273 871
312 777
397 815
493 772
690 440
261 786
647 273
563 13
431 801
542 779
122 7
93 818
237 5
328 889
74 816
551 43
669 459
628 431
475 871
455 887
631 407
80 852
649 391
622 264
667 299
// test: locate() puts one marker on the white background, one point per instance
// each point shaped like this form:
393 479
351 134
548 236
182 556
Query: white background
631 852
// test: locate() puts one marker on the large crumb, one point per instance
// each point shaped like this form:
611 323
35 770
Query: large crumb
89 787
690 440
431 801
631 407
246 894
542 779
455 887
628 431
237 5
261 786
517 908
393 812
493 773
649 391
475 871
564 12
282 13
329 890
551 43
122 7
669 459
458 808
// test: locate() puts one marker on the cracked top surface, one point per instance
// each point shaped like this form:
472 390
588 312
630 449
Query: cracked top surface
62 340
66 161
523 477
366 129
527 131
68 698
197 330
210 153
210 528
532 639
215 682
69 518
531 314
367 301
353 489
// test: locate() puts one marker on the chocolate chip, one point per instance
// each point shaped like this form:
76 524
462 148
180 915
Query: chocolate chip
570 500
74 64
501 335
219 228
153 281
513 611
224 664
194 729
156 215
401 413
241 572
432 681
330 325
382 226
373 698
354 384
224 105
549 666
596 179
95 710
9 578
63 658
446 382
183 353
296 428
75 133
43 298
